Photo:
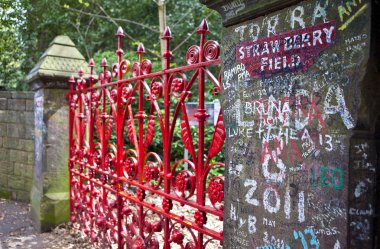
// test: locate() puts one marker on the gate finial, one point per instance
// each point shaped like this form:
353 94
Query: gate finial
119 35
203 27
167 34
120 32
140 49
104 63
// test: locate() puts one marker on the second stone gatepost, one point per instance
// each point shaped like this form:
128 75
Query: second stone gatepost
301 157
49 79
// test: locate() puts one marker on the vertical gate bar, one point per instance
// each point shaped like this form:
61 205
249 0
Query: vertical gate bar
103 137
71 143
119 135
140 117
166 149
91 141
80 135
201 116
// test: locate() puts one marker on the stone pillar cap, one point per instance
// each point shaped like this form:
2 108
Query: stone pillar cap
58 62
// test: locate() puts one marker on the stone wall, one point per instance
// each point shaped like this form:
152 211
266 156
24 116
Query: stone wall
16 144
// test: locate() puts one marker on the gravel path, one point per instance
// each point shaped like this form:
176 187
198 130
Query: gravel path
17 231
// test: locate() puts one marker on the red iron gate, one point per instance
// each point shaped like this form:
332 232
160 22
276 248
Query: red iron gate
125 195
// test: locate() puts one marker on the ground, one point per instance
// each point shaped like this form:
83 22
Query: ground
17 231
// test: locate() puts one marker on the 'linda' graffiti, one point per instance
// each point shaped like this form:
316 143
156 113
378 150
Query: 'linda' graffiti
290 101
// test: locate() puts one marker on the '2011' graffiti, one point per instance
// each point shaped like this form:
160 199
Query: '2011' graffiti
274 207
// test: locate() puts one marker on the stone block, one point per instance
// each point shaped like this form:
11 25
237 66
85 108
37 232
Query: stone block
16 104
3 104
29 95
5 194
31 158
18 156
15 116
4 154
3 181
27 171
3 129
23 195
29 118
13 130
27 145
18 169
15 182
18 95
28 184
29 105
11 143
29 132
6 167
3 116
5 94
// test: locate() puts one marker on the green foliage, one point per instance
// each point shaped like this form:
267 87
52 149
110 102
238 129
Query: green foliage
12 55
28 26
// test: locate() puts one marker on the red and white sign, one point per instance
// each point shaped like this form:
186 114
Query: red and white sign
287 52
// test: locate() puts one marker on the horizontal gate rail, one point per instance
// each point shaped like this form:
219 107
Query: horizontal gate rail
129 188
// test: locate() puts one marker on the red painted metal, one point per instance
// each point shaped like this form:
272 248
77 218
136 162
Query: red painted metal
123 194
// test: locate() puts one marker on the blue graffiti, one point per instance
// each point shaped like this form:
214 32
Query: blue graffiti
313 241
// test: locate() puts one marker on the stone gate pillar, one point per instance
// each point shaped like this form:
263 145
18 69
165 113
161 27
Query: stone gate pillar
300 100
50 192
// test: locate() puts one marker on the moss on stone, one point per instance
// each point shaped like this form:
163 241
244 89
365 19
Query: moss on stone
5 194
54 211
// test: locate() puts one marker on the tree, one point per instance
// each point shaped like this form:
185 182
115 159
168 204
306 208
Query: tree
12 55
28 26
92 24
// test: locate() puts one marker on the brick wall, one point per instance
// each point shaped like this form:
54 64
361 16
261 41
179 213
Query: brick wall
16 144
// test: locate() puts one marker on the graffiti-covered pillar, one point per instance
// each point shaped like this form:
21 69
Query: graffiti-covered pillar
300 100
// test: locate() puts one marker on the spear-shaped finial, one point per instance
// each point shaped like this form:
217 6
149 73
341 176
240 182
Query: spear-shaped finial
120 35
167 35
91 63
104 63
140 49
120 32
203 27
167 54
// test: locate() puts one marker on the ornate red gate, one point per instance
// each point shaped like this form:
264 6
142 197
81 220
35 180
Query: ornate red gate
127 193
